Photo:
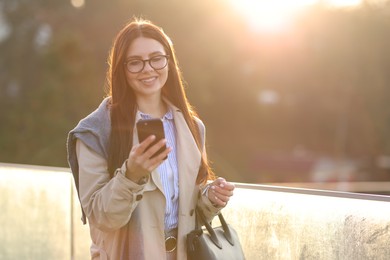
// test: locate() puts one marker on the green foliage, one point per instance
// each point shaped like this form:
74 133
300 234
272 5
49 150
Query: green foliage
329 73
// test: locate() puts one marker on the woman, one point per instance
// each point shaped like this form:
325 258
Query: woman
139 206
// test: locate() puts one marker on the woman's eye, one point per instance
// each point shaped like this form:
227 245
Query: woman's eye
134 62
157 58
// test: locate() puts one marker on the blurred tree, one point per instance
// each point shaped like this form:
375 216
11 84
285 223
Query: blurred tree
320 89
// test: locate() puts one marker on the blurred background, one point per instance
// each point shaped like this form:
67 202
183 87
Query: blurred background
290 91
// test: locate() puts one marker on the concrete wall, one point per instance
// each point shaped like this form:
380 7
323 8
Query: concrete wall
40 219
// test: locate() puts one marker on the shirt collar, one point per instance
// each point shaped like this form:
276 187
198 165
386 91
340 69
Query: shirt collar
168 115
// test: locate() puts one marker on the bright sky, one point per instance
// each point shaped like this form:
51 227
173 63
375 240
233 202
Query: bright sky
276 15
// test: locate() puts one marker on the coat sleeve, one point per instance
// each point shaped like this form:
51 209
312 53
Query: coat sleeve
107 203
208 209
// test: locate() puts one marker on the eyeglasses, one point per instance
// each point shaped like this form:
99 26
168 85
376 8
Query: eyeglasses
137 65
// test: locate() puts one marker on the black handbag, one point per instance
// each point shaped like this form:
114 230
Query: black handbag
218 243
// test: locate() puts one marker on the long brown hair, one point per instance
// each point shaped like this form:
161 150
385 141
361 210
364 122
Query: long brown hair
123 101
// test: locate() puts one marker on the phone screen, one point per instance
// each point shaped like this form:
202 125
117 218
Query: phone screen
148 127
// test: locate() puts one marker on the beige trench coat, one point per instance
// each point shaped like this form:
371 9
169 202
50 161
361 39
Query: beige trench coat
126 220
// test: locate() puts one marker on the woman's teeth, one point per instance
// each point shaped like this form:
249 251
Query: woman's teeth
148 80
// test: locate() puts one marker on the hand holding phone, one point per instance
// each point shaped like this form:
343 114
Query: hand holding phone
150 135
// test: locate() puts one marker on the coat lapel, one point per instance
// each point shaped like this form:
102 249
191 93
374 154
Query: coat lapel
188 157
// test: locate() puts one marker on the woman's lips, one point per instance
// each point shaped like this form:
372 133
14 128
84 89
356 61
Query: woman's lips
148 80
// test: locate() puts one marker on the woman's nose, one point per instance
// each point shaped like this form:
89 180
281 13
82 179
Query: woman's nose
147 67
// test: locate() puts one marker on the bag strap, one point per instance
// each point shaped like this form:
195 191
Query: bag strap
226 229
214 238
211 231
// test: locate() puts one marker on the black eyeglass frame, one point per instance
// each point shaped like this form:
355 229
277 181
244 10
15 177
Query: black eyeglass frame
149 61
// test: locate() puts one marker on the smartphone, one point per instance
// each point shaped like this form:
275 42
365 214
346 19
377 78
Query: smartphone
148 127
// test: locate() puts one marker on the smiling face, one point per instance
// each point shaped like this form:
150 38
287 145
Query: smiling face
148 82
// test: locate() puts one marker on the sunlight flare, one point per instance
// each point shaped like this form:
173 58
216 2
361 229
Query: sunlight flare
278 15
77 3
344 3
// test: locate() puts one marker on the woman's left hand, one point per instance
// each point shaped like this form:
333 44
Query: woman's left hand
220 192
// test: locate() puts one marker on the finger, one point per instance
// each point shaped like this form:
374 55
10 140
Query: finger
229 186
136 160
156 161
221 196
222 191
215 199
219 201
140 149
219 181
154 148
145 164
222 183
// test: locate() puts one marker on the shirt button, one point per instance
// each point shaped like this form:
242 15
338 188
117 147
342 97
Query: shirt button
139 197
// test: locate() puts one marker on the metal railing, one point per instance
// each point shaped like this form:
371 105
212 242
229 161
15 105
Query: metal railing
40 219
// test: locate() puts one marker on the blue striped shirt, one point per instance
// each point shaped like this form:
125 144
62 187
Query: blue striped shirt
168 172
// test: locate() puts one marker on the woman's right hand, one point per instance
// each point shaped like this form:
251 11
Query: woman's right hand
140 164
